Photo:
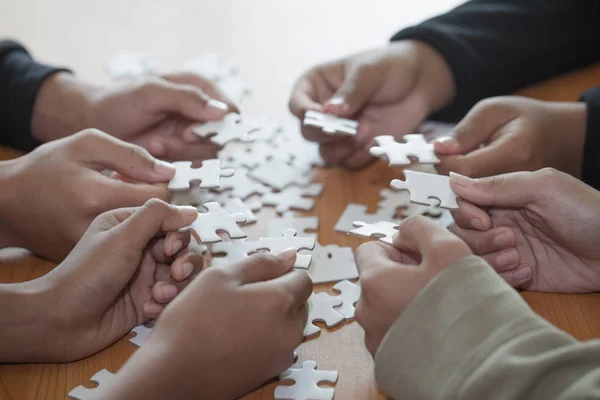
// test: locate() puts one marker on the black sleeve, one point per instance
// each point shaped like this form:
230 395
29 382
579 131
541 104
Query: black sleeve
590 170
495 47
20 80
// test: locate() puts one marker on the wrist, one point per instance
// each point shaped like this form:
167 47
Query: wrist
62 107
9 194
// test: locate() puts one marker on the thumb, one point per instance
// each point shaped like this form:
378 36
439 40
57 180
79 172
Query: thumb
476 128
357 89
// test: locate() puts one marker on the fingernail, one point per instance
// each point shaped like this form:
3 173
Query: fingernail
500 240
287 254
217 105
447 141
459 179
177 246
505 259
164 168
187 269
168 292
522 273
188 211
338 103
477 224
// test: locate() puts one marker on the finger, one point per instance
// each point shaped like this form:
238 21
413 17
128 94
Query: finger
152 309
486 242
359 85
262 266
503 260
108 152
183 148
163 272
210 88
519 277
359 158
337 153
165 291
420 235
175 241
188 264
112 194
372 256
297 283
469 216
304 96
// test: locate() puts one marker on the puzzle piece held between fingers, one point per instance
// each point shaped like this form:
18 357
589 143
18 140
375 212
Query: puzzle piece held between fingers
216 219
383 230
103 378
398 152
321 308
425 187
208 174
350 294
293 197
330 123
289 240
306 383
231 127
234 250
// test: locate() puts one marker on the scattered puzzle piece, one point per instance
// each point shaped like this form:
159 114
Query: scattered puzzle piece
128 65
330 123
208 224
103 378
234 205
293 197
242 185
301 225
254 155
234 250
383 230
278 174
425 187
398 153
350 293
289 240
306 386
358 212
321 308
231 127
331 264
208 174
142 332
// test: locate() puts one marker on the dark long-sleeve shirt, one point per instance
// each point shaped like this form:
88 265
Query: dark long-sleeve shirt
494 47
20 80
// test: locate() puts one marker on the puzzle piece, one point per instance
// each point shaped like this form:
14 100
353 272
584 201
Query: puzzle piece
256 154
103 378
331 264
300 224
383 230
278 174
212 66
289 240
424 187
193 197
234 250
358 212
306 386
216 219
130 65
142 332
398 153
231 127
242 185
330 123
393 200
234 205
293 197
321 308
350 293
208 174
304 154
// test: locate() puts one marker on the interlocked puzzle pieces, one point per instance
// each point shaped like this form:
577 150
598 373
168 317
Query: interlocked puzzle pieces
301 225
332 263
142 332
350 293
398 153
208 224
234 250
289 240
383 230
293 197
321 308
208 174
231 127
278 174
330 123
306 386
392 200
424 187
103 378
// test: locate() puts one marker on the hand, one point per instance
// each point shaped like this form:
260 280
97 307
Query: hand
230 331
538 229
157 113
58 189
389 90
118 276
391 277
507 134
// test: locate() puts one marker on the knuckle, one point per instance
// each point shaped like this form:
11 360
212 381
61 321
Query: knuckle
414 222
156 205
264 258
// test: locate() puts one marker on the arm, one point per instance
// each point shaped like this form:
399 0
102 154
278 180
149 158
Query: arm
481 340
495 47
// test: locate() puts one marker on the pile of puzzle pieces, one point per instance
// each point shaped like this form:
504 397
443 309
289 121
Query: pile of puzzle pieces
265 162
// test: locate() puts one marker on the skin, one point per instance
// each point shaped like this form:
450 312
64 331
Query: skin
389 90
118 276
548 223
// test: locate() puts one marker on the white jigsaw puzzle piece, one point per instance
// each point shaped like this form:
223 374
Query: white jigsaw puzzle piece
142 332
293 197
383 230
103 378
235 205
330 123
321 309
234 250
216 219
241 185
288 240
130 65
350 294
358 212
306 383
196 196
256 154
231 127
398 152
209 175
302 225
331 264
425 187
278 174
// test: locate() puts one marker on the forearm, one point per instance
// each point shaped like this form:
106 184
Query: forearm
468 335
9 186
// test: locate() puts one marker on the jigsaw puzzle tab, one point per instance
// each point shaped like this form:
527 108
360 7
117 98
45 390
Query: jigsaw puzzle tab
103 378
425 187
142 333
397 152
208 174
321 309
330 123
289 240
383 230
350 294
207 225
306 383
231 127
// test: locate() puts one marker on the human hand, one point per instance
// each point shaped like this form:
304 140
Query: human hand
118 276
59 188
389 91
230 331
537 229
516 134
392 276
157 113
